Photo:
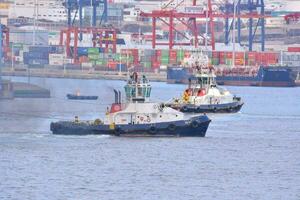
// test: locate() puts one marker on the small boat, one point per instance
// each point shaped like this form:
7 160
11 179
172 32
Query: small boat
203 95
77 96
138 116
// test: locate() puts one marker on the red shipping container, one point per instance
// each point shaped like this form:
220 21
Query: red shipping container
228 55
158 53
155 65
216 54
258 58
83 59
239 55
251 55
293 49
112 64
173 54
187 54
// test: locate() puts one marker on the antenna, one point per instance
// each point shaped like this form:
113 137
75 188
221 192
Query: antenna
119 97
116 96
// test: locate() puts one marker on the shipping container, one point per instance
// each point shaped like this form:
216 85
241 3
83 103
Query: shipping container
93 51
82 51
293 49
56 59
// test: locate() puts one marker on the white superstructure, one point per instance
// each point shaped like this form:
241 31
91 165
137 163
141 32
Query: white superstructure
138 108
204 90
52 10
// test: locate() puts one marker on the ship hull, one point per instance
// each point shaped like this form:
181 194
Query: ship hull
194 127
209 108
79 97
266 77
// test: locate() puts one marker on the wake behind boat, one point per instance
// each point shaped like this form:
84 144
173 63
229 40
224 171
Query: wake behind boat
137 117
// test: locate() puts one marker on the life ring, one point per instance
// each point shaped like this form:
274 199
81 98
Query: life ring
117 131
148 119
194 124
172 127
152 130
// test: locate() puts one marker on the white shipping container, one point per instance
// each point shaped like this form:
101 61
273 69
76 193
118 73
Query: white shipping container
68 61
56 59
19 58
87 65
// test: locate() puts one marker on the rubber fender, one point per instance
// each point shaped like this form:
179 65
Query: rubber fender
117 131
172 127
152 130
198 109
194 124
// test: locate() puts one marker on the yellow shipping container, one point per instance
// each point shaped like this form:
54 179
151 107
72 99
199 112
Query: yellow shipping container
4 6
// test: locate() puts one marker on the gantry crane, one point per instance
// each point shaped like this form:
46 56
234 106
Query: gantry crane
103 35
189 20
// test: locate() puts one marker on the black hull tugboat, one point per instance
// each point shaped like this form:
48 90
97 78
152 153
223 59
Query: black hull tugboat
203 95
137 117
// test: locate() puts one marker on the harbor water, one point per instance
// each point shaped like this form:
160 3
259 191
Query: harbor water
254 154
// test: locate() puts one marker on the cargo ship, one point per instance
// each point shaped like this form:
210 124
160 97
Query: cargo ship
271 76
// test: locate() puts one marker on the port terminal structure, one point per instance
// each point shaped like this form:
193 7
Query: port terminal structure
103 36
5 86
248 10
4 48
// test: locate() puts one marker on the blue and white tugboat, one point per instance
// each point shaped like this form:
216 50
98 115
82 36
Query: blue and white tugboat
203 95
137 117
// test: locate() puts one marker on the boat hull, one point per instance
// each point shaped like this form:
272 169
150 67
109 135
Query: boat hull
194 127
209 108
79 97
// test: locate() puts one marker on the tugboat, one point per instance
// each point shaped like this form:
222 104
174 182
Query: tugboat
77 96
137 117
203 95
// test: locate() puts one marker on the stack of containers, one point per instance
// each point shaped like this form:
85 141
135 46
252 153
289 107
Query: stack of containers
56 59
222 58
290 58
56 55
215 60
251 58
228 58
172 56
131 56
147 58
156 62
239 58
93 56
164 57
180 55
38 56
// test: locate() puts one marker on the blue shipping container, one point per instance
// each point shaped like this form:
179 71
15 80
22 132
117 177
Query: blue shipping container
121 67
82 51
38 62
36 55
